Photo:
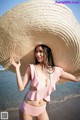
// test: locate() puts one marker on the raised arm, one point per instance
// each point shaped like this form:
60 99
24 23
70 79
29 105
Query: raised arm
68 76
21 82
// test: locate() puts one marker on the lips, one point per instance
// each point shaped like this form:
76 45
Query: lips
39 58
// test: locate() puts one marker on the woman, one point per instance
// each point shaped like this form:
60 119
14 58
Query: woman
43 76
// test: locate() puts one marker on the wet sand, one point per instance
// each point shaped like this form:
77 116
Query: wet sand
68 109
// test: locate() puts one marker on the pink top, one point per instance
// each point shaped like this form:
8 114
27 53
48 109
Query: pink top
42 91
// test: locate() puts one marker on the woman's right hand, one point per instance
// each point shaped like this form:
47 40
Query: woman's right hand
15 64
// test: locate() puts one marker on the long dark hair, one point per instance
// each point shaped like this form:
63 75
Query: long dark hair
47 51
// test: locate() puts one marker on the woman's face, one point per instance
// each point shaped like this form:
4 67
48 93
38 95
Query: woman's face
39 54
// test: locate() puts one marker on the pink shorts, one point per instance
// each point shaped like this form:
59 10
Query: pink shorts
31 110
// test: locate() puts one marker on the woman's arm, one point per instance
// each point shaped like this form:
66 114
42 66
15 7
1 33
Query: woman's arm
21 83
68 76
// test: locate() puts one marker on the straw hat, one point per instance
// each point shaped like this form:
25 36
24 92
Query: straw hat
40 22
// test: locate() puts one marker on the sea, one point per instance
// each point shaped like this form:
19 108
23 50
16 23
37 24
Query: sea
11 97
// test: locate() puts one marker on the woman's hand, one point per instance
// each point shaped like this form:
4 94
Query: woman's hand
15 64
21 83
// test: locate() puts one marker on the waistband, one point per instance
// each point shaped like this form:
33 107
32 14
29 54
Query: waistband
32 110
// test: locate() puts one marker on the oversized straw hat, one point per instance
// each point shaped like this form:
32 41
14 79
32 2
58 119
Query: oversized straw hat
40 22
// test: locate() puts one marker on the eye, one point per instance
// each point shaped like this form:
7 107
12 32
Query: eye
41 51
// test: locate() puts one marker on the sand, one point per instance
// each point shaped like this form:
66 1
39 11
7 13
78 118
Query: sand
68 109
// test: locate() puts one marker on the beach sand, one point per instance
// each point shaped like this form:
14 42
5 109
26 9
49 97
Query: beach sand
68 109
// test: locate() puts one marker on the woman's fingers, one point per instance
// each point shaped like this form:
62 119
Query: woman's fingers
12 60
19 62
15 64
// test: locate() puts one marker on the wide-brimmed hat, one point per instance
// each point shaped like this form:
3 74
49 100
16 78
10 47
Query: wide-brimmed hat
40 22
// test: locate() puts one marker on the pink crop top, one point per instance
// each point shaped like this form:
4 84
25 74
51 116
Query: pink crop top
42 91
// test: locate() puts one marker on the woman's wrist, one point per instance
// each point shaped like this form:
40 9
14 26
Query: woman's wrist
17 68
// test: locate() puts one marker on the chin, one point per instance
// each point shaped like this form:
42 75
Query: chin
40 61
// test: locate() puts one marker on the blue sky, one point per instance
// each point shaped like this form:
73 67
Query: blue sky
6 5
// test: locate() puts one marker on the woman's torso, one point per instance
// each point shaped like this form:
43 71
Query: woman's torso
44 75
36 103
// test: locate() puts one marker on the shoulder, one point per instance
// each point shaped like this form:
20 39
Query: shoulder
30 67
59 70
31 70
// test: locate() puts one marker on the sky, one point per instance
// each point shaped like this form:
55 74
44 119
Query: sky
6 5
74 5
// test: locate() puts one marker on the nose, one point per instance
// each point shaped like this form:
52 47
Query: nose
38 53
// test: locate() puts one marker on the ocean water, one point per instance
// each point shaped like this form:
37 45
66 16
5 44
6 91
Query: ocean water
11 97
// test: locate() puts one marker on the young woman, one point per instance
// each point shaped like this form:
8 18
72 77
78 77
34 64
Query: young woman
43 76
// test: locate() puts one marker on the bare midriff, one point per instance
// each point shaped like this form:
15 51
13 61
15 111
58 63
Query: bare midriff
36 103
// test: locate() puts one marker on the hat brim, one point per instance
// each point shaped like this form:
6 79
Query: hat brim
40 22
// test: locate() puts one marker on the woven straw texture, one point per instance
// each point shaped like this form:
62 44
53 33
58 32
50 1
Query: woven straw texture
40 21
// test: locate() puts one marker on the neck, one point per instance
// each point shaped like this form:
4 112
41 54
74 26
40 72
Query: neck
44 65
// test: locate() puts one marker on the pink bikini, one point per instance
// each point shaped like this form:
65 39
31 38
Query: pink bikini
41 91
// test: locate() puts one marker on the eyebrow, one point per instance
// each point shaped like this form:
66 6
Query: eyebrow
39 50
